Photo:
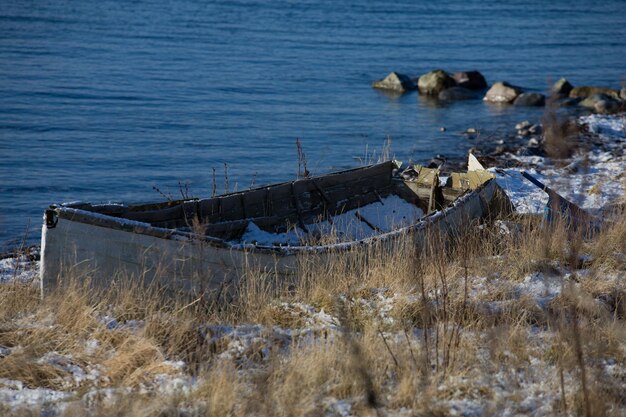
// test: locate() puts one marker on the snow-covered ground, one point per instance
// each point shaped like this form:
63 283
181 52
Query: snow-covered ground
21 268
592 181
251 346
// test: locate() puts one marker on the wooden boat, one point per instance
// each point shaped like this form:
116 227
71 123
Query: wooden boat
201 243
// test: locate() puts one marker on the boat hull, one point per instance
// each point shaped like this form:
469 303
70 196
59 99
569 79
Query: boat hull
73 247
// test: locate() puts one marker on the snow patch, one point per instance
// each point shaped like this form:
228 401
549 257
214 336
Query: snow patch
608 127
541 287
592 180
20 268
78 375
254 234
15 395
391 213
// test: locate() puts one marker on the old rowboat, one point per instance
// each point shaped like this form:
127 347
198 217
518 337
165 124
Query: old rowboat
204 242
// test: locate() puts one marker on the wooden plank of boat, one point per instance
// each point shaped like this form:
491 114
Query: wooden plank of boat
105 242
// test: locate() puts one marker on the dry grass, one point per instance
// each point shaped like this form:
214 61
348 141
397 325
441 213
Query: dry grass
560 132
418 329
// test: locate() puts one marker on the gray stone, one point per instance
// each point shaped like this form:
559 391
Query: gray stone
607 106
523 125
457 93
472 80
500 150
569 102
533 142
622 94
590 102
502 92
435 82
396 82
586 91
530 99
600 103
562 87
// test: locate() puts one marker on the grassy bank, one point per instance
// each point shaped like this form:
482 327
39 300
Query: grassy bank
511 318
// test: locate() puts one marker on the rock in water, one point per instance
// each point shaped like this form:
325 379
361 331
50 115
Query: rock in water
436 162
502 92
607 106
457 93
472 80
600 103
562 88
590 91
435 82
622 94
569 102
530 99
533 143
396 82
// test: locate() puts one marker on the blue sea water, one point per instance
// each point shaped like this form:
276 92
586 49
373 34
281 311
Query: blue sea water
102 101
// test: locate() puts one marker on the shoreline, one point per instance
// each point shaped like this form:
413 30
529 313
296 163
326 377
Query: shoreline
595 143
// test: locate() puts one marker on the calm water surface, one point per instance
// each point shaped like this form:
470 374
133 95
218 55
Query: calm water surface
103 100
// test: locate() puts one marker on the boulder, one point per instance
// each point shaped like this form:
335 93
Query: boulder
533 142
562 88
396 82
436 162
569 102
472 80
622 94
535 130
590 91
523 125
607 106
600 103
502 92
435 82
530 99
457 93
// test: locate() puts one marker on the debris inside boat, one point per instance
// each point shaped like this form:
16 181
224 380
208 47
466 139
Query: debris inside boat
206 241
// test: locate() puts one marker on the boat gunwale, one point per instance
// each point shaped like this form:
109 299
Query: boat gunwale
172 203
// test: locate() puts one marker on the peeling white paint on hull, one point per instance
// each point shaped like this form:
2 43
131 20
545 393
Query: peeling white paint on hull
75 249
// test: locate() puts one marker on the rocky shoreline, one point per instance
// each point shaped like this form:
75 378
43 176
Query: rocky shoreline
560 145
467 85
557 135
